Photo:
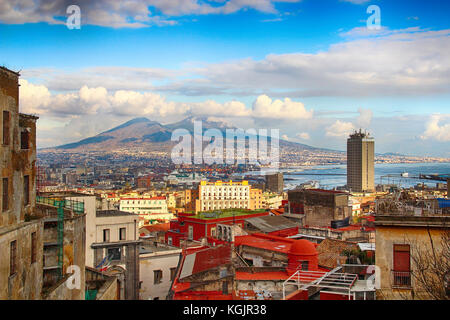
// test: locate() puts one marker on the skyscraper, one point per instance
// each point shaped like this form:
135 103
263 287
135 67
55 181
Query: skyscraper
275 182
360 162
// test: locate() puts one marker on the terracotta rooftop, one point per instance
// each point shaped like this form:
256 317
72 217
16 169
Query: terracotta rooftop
158 227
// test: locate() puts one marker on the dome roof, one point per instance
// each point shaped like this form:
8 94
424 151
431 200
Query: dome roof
303 247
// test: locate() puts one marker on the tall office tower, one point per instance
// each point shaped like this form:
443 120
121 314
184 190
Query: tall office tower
360 162
275 182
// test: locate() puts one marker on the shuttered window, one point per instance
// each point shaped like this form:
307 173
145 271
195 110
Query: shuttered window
24 140
5 196
402 265
33 247
6 121
13 258
26 190
402 258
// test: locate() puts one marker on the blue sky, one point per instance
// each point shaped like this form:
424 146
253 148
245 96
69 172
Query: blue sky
252 63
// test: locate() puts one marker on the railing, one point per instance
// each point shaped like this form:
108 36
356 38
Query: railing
73 205
401 279
320 279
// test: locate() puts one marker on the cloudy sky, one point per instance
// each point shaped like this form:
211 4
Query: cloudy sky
310 68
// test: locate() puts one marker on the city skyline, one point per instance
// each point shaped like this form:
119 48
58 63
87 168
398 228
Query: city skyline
310 68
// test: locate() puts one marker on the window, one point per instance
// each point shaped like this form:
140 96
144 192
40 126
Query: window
114 254
33 247
402 265
105 235
305 265
6 120
5 198
26 190
13 258
157 276
173 273
24 139
169 241
122 233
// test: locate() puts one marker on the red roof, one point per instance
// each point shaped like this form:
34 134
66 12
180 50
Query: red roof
158 227
259 240
303 247
277 212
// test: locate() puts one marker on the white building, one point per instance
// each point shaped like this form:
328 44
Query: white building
157 267
148 208
271 200
223 195
111 238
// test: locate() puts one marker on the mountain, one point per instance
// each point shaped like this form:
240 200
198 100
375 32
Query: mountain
142 134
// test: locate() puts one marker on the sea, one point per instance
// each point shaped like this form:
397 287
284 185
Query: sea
332 176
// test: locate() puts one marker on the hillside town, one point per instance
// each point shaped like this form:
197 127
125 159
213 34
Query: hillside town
153 230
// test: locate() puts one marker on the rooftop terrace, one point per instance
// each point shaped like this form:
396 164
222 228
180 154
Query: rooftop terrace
226 213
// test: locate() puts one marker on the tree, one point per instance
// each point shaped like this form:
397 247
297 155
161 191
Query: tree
431 266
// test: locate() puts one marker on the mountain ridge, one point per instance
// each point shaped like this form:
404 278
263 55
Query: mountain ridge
144 133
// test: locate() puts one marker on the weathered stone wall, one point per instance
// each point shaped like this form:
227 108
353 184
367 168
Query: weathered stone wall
26 283
321 216
74 250
60 291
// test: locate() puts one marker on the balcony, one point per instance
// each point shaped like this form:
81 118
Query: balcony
401 279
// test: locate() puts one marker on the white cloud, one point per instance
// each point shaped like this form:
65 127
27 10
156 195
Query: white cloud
126 13
303 135
38 99
264 107
437 131
211 107
395 63
33 98
340 129
365 118
408 62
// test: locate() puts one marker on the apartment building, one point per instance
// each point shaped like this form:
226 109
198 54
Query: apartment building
150 209
256 199
20 238
114 244
40 237
361 162
275 182
158 267
223 195
412 252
